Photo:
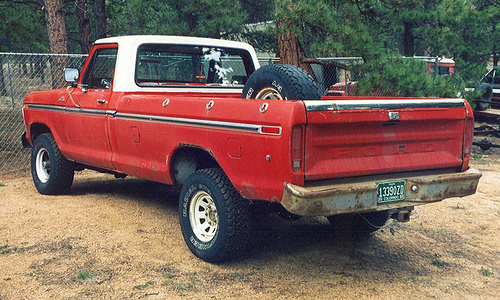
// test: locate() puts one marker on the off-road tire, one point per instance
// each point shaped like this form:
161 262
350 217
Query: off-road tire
227 233
359 224
52 173
281 82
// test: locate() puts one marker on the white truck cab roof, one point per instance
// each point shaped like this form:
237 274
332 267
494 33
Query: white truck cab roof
127 53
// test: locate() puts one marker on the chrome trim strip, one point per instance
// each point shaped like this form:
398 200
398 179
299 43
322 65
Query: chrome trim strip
47 107
86 111
72 109
197 122
181 121
335 105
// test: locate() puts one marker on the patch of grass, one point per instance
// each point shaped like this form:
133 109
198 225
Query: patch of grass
168 271
84 275
6 250
476 156
1 184
438 263
7 279
182 287
459 206
143 286
66 245
167 282
435 232
486 272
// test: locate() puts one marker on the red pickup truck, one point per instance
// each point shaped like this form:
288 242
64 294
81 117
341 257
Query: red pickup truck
202 115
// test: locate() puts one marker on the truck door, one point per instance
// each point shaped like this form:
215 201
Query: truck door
87 115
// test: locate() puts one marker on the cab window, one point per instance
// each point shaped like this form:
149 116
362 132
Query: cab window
100 72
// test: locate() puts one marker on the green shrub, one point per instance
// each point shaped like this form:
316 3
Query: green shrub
405 77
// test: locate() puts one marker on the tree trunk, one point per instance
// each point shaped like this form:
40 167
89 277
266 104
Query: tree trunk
290 50
408 40
83 25
495 53
100 18
58 38
56 26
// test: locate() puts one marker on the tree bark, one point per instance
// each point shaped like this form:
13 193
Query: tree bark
83 25
100 18
58 38
408 40
56 26
290 50
496 58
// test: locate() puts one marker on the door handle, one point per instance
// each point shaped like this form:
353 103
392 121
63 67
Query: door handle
102 101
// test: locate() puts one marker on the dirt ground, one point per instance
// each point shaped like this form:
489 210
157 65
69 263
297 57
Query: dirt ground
120 239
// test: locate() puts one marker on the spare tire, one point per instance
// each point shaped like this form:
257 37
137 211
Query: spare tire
487 94
281 82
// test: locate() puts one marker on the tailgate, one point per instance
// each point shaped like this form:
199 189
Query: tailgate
347 138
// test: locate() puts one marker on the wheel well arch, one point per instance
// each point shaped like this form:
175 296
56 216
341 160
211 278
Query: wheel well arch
187 159
36 129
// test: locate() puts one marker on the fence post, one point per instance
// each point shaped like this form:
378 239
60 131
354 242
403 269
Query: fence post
10 83
436 67
346 85
3 89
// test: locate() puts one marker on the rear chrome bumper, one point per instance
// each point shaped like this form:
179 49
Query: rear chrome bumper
360 194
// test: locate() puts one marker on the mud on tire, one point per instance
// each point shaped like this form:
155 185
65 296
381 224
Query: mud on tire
281 82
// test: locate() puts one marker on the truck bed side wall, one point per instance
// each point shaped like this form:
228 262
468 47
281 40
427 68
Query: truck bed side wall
252 147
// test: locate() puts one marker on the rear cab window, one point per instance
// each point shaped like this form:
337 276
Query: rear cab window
160 65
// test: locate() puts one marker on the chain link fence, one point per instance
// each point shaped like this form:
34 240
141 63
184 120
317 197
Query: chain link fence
333 75
21 73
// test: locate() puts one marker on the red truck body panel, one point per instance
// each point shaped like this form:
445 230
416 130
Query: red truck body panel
356 142
147 129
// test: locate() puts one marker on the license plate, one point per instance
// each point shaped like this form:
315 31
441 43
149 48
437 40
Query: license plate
391 191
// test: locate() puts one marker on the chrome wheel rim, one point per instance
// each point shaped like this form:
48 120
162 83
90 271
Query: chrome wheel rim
269 93
203 216
43 165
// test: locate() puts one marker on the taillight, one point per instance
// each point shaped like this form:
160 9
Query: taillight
468 135
297 148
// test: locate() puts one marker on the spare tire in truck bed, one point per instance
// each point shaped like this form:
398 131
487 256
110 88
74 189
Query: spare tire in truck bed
281 82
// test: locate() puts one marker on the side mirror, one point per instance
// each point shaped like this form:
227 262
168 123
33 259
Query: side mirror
71 75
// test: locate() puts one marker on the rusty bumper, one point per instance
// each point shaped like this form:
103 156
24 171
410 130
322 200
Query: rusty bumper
360 195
